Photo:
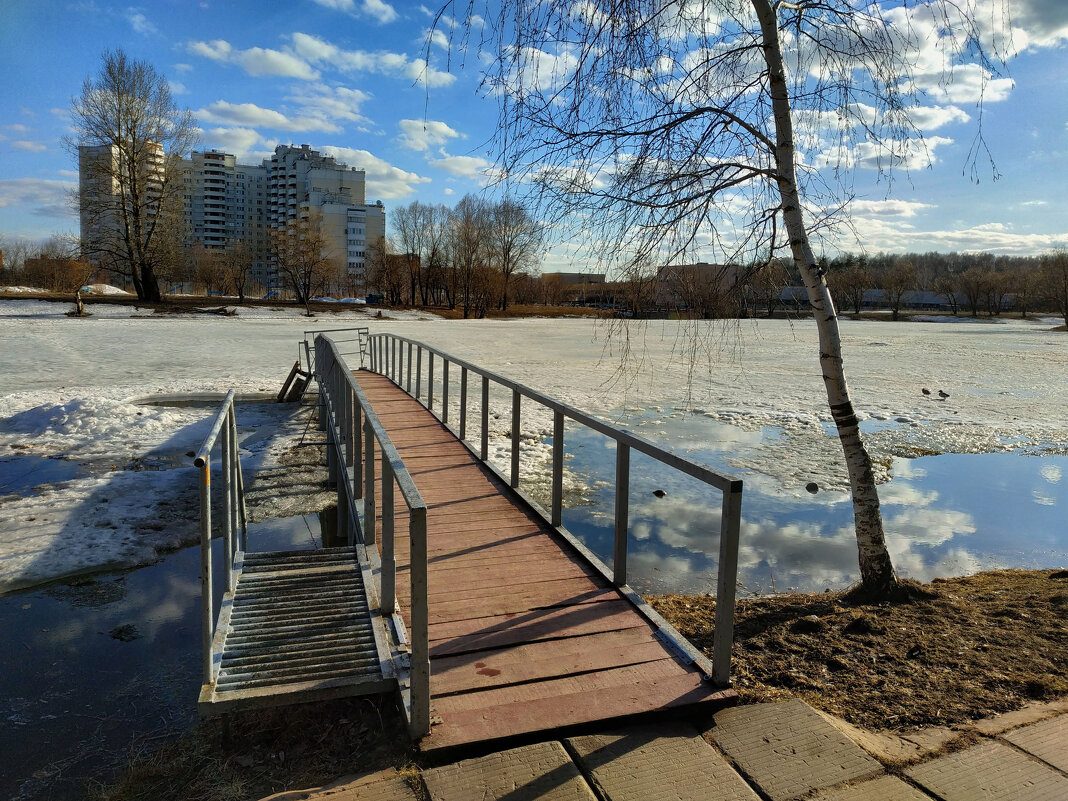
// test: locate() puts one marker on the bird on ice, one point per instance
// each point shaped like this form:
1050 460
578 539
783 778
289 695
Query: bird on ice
943 394
925 390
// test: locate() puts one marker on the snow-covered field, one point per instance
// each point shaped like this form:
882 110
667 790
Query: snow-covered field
67 388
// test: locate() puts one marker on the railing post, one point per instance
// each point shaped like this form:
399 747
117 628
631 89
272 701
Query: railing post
418 371
368 481
445 390
331 429
228 532
389 548
726 585
357 446
516 400
207 611
348 397
235 519
420 633
619 561
557 502
396 371
430 380
409 366
484 444
463 403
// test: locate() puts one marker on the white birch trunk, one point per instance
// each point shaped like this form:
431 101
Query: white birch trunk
876 570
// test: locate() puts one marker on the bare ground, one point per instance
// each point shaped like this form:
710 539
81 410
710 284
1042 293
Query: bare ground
975 647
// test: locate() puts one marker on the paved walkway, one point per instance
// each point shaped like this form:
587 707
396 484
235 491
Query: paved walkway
782 751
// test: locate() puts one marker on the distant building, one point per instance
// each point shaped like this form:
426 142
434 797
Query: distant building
226 203
700 289
574 279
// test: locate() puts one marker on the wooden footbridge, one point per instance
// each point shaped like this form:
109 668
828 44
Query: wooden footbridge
457 588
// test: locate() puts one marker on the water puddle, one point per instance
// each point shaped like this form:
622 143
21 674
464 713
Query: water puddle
20 474
94 666
948 514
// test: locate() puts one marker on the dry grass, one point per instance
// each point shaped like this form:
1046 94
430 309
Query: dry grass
269 752
977 646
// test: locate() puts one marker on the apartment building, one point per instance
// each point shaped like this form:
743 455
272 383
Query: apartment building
226 203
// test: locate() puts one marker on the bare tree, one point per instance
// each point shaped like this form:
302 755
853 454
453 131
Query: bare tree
946 286
665 127
850 284
237 263
516 239
1054 272
130 138
896 281
469 247
303 255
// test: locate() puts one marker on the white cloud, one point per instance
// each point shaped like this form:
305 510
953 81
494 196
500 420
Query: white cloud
44 197
424 134
177 88
384 181
140 23
29 147
239 141
381 11
255 61
473 167
18 127
183 67
888 208
928 118
320 52
249 114
333 103
912 154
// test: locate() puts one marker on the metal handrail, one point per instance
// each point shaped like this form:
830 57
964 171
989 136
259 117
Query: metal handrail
395 356
235 522
350 462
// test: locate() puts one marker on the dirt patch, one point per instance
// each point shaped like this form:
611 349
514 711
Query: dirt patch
978 646
268 752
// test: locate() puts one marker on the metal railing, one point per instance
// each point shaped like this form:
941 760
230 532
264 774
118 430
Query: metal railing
402 360
235 522
352 431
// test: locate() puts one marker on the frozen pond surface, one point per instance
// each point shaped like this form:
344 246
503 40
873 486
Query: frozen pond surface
87 478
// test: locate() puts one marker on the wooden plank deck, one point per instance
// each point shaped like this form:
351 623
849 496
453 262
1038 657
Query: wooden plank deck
525 635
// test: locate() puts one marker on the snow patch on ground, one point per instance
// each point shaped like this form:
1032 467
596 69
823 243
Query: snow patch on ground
67 386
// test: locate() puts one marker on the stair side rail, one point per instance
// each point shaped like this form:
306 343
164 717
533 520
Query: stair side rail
411 364
353 431
234 527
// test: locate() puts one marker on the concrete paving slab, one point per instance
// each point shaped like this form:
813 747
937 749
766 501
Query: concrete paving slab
542 771
385 785
665 762
990 771
885 788
1032 713
1048 741
788 749
889 747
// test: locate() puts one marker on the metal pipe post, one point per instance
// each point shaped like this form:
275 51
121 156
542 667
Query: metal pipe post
516 401
409 368
463 403
368 481
445 390
726 586
420 633
418 372
557 511
207 612
430 380
484 444
228 532
389 547
619 561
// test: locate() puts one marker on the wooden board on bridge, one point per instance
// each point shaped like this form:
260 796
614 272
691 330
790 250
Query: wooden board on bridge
525 635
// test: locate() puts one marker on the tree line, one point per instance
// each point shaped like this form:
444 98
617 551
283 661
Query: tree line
478 255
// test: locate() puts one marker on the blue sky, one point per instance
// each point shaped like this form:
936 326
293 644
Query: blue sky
348 77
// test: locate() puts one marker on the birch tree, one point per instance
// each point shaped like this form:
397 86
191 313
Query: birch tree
665 129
